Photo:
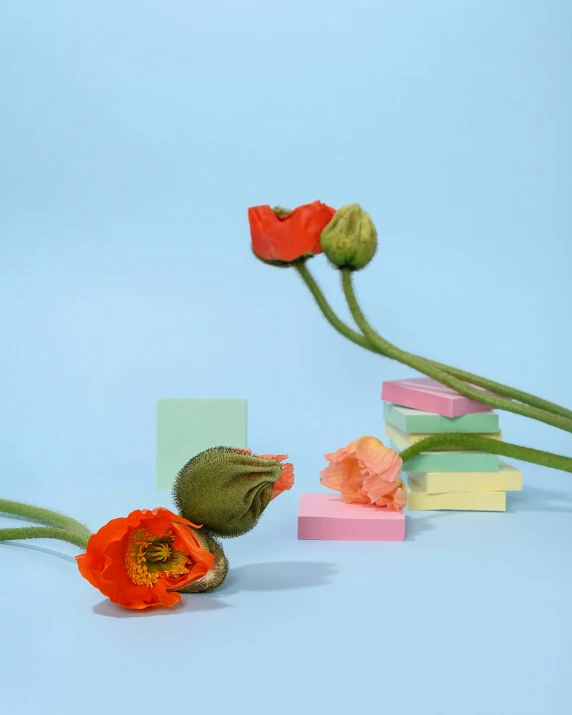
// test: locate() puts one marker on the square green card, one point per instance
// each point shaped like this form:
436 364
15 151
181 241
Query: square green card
187 426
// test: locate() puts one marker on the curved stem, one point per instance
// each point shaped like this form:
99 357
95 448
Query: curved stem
329 314
486 444
359 339
437 373
44 532
505 390
44 516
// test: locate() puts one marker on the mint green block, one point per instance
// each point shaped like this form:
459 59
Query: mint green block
451 461
418 422
187 426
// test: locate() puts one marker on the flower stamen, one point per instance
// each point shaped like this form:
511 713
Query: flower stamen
281 213
158 551
149 557
136 560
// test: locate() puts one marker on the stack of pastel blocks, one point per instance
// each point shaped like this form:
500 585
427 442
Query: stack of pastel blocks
454 479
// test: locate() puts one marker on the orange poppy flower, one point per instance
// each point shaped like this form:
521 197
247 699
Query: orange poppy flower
286 479
366 472
285 236
142 560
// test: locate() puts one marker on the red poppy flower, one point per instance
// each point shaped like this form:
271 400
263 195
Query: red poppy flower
142 560
285 236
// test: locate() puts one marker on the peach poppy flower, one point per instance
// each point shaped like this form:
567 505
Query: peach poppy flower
366 472
144 559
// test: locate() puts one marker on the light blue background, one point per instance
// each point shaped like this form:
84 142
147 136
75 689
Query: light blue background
134 135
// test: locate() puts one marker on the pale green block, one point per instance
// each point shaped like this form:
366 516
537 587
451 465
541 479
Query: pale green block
450 461
419 422
187 426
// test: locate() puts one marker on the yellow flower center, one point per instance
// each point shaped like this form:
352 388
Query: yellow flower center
148 557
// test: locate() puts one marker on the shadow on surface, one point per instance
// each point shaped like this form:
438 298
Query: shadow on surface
192 603
415 526
536 499
43 549
278 576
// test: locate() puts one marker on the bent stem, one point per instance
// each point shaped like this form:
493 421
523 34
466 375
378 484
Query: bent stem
329 313
359 339
44 532
486 444
440 375
44 516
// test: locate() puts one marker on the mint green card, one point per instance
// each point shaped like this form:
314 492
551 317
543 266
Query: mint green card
418 422
450 461
187 426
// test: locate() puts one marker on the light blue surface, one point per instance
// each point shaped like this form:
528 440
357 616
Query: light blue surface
134 136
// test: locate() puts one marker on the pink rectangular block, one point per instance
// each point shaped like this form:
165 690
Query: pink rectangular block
327 517
424 393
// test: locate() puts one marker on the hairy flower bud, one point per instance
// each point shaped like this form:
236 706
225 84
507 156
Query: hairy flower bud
227 489
350 239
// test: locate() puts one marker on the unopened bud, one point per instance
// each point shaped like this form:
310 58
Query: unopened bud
350 239
227 489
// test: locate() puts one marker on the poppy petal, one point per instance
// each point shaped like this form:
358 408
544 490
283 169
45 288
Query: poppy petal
107 563
289 237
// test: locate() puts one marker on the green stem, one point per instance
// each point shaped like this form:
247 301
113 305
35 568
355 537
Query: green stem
359 339
486 444
327 311
44 532
500 389
440 375
44 516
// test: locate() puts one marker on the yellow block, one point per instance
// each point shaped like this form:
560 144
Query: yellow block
507 479
404 440
418 500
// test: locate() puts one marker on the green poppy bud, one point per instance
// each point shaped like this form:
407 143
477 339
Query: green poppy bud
350 239
226 489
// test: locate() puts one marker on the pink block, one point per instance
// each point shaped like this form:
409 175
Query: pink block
327 517
424 393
